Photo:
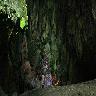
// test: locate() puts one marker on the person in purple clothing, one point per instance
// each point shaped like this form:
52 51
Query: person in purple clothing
46 74
48 80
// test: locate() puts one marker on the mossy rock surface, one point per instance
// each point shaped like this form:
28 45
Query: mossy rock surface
80 89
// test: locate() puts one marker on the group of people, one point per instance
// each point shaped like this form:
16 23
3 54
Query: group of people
30 76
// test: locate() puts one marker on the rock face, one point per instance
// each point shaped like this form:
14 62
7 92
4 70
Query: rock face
81 89
66 30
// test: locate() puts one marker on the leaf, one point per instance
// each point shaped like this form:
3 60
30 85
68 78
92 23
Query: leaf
22 23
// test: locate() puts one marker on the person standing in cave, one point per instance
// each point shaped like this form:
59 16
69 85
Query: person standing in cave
46 73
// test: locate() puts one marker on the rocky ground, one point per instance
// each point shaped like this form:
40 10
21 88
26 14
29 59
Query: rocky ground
82 89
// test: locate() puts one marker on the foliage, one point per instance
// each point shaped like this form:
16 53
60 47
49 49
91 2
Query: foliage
14 8
22 22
